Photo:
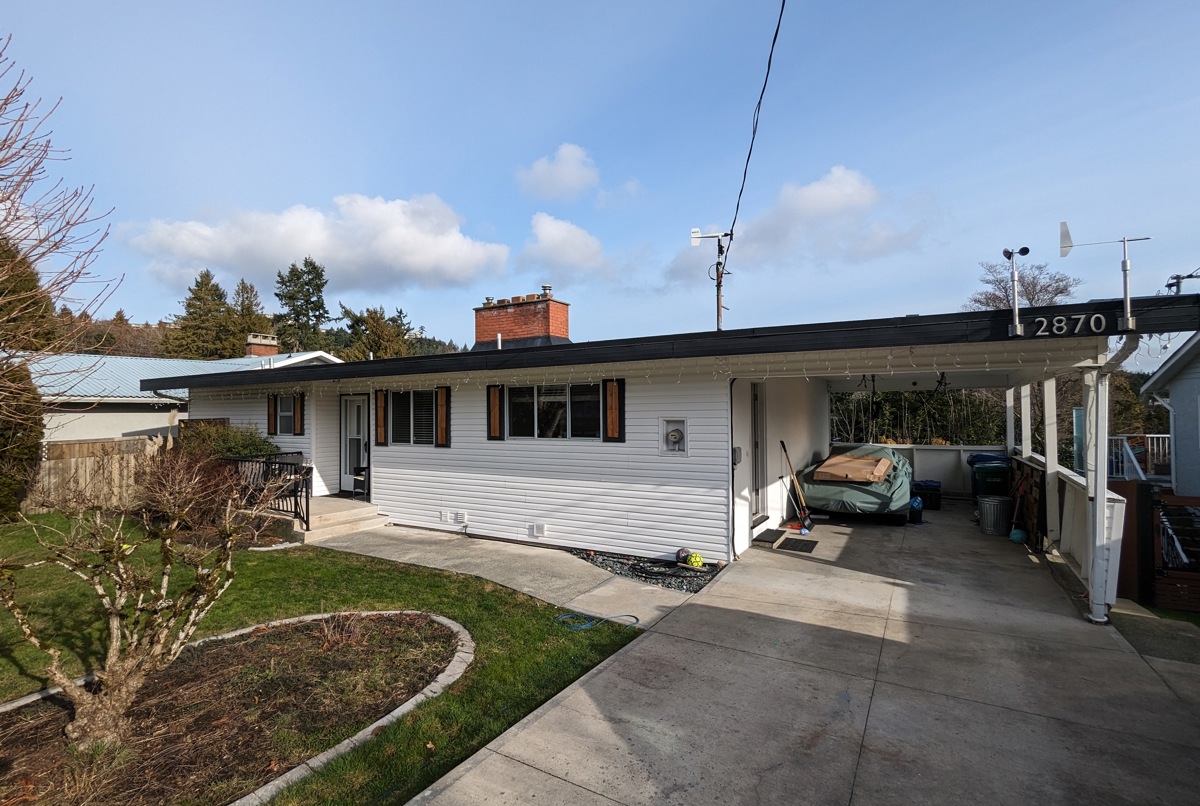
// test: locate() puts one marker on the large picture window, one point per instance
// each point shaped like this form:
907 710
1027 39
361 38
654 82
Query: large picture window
555 411
421 417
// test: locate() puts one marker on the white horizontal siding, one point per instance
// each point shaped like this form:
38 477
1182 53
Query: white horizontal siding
621 497
249 407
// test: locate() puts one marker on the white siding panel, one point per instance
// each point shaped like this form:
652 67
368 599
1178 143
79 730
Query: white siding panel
621 497
325 416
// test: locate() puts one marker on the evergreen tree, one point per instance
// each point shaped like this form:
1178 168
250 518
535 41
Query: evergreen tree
204 329
301 295
374 334
247 315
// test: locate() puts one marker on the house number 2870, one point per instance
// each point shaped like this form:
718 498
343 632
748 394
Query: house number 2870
1080 324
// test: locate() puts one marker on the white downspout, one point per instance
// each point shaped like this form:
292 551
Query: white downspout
1098 487
1010 422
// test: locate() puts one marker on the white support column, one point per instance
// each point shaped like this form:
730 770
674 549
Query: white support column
1098 495
1026 425
1010 422
1050 431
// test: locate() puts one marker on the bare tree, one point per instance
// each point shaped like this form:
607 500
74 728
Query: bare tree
1036 286
49 237
150 610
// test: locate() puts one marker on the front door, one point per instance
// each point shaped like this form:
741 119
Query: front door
354 439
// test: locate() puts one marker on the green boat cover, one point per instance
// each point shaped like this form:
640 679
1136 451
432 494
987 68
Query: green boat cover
876 498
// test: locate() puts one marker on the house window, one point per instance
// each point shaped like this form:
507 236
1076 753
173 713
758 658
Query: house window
421 417
285 415
548 411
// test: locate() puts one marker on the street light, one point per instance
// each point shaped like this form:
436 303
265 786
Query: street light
1016 328
719 273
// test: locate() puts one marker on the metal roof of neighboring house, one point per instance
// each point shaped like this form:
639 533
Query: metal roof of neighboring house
1045 328
1179 360
118 378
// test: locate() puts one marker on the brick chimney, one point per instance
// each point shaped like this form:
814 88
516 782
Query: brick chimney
533 320
261 344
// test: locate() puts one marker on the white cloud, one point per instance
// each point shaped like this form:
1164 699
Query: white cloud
841 216
565 249
562 177
365 243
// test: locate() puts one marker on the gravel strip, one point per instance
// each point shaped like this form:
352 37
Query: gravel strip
663 573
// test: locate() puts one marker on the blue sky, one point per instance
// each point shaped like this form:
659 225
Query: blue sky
432 154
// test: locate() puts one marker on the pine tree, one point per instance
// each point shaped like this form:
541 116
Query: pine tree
374 334
301 295
246 313
204 329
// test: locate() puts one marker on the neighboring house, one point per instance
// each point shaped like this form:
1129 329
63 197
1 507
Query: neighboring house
1176 385
92 397
636 446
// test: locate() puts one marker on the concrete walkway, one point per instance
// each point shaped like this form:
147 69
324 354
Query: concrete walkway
921 664
552 576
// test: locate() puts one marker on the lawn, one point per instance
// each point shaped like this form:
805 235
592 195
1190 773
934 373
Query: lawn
522 656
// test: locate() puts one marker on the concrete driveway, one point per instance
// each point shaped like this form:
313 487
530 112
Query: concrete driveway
920 664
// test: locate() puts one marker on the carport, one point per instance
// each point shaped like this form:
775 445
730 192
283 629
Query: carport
980 349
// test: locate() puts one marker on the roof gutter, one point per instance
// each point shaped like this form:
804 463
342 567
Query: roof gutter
165 396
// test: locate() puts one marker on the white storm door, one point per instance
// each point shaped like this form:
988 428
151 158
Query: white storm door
354 438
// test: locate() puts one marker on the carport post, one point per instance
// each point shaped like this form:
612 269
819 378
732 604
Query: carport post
1050 431
1026 425
1010 422
1098 495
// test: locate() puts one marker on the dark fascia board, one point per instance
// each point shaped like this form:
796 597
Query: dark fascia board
1165 314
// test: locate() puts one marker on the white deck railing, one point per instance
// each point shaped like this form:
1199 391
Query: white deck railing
1135 456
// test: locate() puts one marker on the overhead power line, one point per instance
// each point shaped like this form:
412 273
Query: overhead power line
754 127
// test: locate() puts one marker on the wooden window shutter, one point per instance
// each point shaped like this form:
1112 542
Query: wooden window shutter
298 412
271 415
381 416
442 414
614 410
495 412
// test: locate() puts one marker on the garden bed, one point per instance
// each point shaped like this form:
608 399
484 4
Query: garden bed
231 715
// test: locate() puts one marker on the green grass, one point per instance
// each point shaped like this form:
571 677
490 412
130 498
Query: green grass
1177 615
522 658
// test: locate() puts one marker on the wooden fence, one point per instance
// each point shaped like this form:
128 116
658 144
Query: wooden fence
99 471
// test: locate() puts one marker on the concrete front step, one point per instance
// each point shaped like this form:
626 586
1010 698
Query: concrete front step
341 526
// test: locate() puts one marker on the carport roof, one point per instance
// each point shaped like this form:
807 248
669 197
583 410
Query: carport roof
972 346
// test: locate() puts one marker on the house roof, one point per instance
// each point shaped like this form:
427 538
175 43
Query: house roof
1188 352
117 378
1085 325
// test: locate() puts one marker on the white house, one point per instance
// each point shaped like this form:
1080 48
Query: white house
636 446
1176 384
95 397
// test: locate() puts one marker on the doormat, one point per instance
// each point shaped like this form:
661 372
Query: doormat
769 538
797 544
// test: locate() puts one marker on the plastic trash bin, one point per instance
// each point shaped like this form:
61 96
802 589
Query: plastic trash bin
991 479
995 514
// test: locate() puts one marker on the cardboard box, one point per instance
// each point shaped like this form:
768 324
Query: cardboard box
843 467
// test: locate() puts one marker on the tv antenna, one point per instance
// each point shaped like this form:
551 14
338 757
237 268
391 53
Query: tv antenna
1064 248
717 270
1175 284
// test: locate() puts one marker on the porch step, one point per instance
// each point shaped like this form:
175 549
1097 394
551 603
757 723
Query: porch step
330 516
769 538
341 527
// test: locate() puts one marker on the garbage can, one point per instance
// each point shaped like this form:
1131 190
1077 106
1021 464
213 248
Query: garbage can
995 514
998 483
991 479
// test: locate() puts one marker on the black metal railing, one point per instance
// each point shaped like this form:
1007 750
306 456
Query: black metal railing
287 478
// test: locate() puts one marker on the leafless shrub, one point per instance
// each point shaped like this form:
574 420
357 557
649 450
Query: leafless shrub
131 558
